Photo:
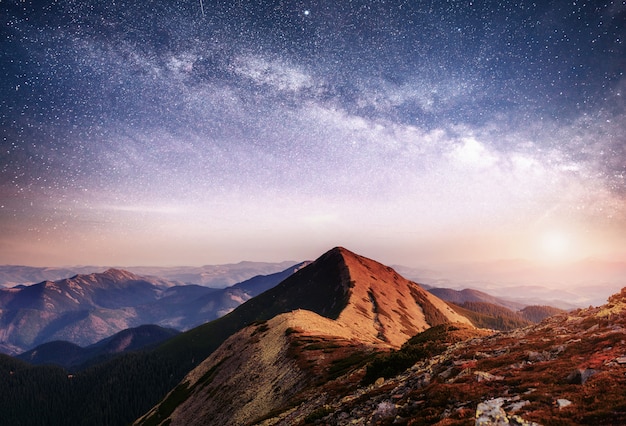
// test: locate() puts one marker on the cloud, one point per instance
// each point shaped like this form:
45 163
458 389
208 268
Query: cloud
473 153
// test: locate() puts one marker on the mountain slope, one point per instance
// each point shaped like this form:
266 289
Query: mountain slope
82 309
260 368
342 306
488 315
569 369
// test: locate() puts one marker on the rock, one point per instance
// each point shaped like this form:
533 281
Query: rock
562 403
490 413
516 406
385 410
580 376
621 360
483 376
534 356
518 421
379 382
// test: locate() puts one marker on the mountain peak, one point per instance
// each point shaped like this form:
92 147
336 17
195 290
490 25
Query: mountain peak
120 274
358 293
387 305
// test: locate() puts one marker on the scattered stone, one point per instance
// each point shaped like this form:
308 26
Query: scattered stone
379 382
534 356
580 376
385 410
518 421
483 376
490 413
621 360
562 403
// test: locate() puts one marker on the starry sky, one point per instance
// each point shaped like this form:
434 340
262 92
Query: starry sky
164 132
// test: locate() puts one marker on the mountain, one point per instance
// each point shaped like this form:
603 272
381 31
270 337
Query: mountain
13 275
381 301
84 309
470 295
69 355
336 286
491 316
487 311
214 276
319 349
568 369
537 313
341 307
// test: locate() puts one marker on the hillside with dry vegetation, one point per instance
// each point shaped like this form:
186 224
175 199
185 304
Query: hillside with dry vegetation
568 370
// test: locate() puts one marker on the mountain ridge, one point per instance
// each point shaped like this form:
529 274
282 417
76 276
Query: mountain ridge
86 308
213 276
342 303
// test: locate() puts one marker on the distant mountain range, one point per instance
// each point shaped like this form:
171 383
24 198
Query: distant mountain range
566 286
469 295
215 276
84 309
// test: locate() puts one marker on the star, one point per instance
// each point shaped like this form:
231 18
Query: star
173 132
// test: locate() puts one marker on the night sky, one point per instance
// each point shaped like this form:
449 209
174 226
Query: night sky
201 132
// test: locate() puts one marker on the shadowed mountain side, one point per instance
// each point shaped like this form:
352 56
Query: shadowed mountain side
321 287
69 355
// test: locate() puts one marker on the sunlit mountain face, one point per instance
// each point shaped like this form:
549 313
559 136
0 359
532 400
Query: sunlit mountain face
186 132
